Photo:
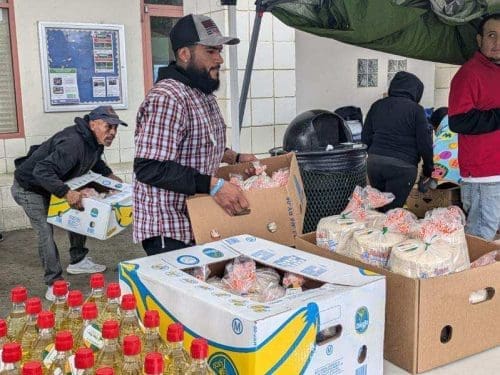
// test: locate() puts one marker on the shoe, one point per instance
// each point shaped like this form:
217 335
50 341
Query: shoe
86 265
1 237
49 294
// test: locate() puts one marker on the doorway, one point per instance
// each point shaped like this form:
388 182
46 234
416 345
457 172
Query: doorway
158 18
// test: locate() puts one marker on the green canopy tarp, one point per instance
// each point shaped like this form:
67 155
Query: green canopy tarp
434 30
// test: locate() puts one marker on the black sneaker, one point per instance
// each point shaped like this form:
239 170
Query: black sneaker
1 237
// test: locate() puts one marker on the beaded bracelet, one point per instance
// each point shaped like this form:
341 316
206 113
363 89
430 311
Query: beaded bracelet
217 186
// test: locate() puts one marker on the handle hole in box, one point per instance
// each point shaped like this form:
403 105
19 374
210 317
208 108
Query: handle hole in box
446 334
362 353
329 334
481 295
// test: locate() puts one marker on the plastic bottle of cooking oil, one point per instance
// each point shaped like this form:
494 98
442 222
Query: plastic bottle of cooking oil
152 340
97 294
11 358
132 364
62 363
129 324
153 364
178 359
84 361
44 342
73 321
199 354
29 332
32 368
60 305
111 354
112 308
90 335
3 334
17 315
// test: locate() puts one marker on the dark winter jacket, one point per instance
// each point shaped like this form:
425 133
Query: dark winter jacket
396 126
70 153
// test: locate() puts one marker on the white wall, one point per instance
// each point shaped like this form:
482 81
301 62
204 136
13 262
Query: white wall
326 72
38 125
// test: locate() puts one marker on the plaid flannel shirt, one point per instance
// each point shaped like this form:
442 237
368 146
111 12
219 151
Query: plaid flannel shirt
179 123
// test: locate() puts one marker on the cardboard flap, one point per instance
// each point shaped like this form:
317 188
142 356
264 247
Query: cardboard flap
77 182
300 262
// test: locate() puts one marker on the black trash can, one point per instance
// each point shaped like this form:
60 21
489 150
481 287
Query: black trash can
330 164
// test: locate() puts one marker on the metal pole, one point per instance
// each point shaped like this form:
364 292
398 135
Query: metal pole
259 12
233 81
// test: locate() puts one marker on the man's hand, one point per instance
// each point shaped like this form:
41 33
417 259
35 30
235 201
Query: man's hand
113 177
246 158
230 197
74 199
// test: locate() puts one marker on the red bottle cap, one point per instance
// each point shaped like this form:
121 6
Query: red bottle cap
151 319
105 371
153 364
110 329
89 311
18 294
45 319
97 280
60 288
11 352
175 332
131 345
32 368
33 305
128 302
113 290
3 328
199 349
75 298
84 358
64 341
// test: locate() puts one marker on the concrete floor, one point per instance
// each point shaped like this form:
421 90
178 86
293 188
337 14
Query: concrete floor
20 264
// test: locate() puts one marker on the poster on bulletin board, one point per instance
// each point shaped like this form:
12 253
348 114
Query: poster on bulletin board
83 66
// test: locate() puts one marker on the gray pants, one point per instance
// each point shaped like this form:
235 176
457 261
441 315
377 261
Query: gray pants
36 207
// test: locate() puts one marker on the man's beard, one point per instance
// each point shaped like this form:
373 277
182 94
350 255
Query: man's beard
201 79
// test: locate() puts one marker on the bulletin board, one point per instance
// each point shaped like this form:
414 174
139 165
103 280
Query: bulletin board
83 66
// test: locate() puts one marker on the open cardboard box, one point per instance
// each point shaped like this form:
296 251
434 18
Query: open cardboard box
276 214
430 322
446 194
334 326
101 218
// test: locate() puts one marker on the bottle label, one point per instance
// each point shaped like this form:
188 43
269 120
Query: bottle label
48 355
92 337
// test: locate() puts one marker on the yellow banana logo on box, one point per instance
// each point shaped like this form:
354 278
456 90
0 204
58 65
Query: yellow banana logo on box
123 215
287 350
58 206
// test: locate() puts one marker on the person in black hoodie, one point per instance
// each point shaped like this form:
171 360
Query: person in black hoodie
398 136
70 153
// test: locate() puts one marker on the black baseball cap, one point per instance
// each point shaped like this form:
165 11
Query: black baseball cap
106 113
198 29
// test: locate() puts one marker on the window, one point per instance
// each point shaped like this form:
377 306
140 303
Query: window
367 72
10 97
395 66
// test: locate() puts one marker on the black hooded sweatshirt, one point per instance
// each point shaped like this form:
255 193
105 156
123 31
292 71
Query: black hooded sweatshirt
396 126
70 153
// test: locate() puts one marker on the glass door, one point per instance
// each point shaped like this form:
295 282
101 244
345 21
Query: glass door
158 18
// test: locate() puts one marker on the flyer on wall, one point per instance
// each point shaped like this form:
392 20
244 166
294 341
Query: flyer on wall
63 86
103 52
112 86
98 87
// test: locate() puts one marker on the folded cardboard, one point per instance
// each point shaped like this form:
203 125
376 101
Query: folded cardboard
446 194
101 218
335 327
430 322
276 214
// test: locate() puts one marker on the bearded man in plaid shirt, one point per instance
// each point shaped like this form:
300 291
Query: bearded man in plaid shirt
180 140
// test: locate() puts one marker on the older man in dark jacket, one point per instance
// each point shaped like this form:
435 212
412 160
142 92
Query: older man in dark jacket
70 153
